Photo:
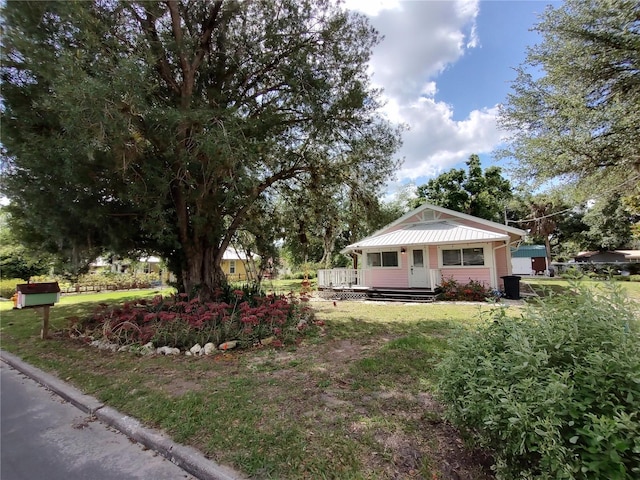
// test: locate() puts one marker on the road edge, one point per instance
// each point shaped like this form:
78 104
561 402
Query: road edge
187 458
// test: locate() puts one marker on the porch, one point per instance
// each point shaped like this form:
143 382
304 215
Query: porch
351 284
356 279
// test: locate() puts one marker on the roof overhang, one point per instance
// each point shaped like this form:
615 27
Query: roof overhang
429 233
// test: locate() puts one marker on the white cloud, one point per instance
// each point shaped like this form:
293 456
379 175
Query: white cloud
436 142
421 40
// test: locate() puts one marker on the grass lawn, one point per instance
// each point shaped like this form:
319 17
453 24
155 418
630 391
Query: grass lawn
353 402
557 285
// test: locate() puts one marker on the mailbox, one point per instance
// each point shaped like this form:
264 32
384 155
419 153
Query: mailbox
37 294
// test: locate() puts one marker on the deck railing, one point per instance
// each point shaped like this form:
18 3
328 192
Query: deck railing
337 277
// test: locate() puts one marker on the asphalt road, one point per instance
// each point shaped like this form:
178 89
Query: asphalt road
44 437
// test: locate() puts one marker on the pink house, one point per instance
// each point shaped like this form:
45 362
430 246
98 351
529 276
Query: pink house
424 246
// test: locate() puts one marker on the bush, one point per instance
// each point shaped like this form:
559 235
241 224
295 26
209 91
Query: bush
474 291
8 286
555 393
180 322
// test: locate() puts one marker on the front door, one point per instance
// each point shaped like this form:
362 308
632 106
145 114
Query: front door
418 271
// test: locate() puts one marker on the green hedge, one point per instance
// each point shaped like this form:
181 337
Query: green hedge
555 393
8 286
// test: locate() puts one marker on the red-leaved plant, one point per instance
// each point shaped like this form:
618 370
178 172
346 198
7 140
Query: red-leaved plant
181 322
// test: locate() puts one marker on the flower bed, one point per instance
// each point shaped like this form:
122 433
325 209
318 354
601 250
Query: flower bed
474 291
180 322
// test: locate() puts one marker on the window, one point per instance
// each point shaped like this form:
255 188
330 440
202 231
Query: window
473 256
463 257
382 259
232 267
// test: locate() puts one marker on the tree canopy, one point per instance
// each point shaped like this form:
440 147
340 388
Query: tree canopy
474 192
171 126
574 110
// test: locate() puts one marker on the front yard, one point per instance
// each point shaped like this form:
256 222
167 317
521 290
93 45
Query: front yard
354 401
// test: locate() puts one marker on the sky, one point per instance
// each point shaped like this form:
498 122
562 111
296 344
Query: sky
445 66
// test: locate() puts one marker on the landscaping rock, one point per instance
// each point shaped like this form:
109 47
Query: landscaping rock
228 345
168 351
104 345
147 349
196 349
209 348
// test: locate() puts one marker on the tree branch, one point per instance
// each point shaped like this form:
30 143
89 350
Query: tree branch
147 24
207 32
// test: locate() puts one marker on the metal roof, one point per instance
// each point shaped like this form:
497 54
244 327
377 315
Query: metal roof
529 251
428 233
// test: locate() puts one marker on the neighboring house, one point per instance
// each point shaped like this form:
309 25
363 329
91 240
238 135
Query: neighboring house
234 265
529 260
632 256
425 246
616 256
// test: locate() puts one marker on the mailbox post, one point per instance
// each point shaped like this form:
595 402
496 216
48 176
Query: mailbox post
38 295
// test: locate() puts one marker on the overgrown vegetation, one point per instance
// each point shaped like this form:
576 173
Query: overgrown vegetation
246 315
555 393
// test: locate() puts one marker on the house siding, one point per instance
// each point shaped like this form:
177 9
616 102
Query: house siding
464 275
503 264
387 277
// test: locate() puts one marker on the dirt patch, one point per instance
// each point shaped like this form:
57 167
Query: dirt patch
398 433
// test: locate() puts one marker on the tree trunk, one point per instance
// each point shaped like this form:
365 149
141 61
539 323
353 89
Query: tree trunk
547 246
203 274
328 243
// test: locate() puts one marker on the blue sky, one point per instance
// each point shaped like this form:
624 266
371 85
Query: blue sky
445 66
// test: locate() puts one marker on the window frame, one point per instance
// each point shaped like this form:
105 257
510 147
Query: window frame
460 249
380 254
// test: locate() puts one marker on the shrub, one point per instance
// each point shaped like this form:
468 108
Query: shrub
180 322
474 291
8 286
555 393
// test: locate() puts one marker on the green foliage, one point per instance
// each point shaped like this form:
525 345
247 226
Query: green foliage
170 127
16 260
481 194
555 393
474 291
609 224
8 286
573 113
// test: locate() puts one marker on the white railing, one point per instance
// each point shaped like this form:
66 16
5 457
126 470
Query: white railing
435 278
337 278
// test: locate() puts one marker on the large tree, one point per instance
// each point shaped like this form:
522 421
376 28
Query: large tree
609 225
474 192
169 125
574 110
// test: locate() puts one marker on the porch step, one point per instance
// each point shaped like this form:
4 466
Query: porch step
399 295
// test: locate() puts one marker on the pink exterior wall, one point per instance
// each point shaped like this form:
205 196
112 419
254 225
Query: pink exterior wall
433 257
502 264
387 277
462 275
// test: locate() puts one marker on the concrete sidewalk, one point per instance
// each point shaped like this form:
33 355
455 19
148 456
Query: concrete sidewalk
187 458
